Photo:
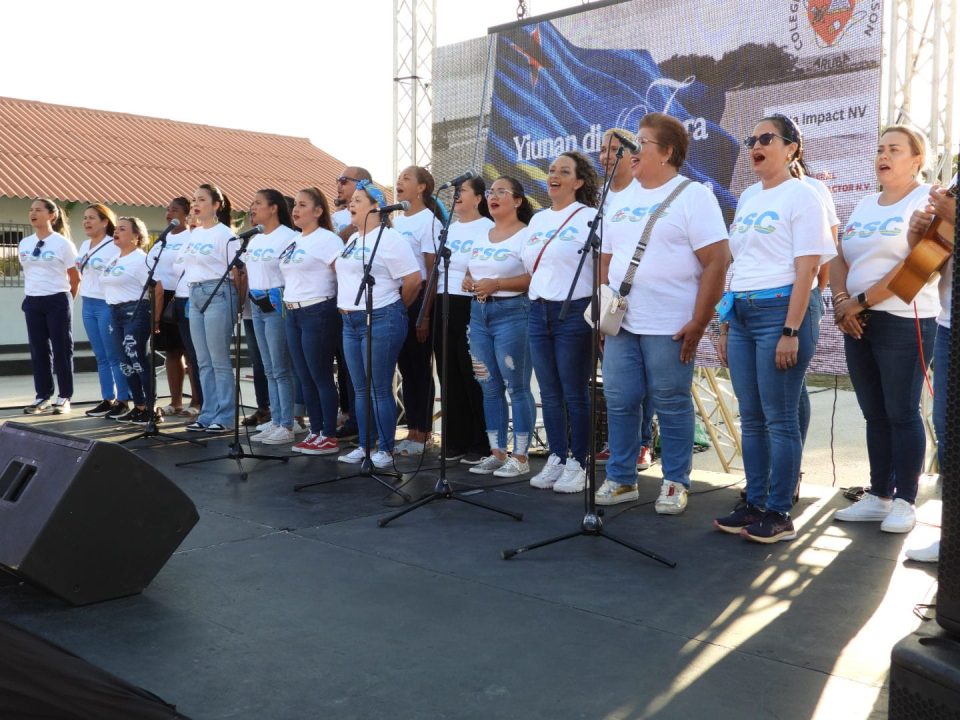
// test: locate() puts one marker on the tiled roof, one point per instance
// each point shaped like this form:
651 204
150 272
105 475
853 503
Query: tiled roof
78 154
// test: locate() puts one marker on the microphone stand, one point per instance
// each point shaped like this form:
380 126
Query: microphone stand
442 489
592 523
367 468
150 431
236 451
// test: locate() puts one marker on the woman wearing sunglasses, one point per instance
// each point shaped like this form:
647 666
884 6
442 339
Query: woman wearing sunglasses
50 283
312 322
560 349
499 320
779 238
397 282
677 283
881 331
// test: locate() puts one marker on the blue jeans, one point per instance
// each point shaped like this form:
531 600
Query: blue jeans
637 367
501 361
560 350
769 398
389 325
646 421
50 333
271 332
183 325
941 366
885 370
312 338
211 332
98 323
130 334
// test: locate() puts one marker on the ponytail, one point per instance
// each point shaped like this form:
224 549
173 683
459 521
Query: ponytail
425 178
277 199
217 195
57 224
320 201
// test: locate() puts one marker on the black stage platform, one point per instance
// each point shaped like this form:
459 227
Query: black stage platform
288 606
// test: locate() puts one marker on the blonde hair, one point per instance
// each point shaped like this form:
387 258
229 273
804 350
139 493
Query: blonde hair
629 135
139 229
916 139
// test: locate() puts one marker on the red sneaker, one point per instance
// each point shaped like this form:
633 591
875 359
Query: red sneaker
644 458
603 455
320 445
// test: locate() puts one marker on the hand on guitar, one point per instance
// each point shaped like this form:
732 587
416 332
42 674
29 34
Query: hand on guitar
944 206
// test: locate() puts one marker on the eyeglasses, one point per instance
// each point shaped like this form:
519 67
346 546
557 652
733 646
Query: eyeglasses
348 250
500 192
764 139
644 141
287 252
344 179
38 247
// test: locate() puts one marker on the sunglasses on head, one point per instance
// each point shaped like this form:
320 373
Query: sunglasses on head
344 179
348 249
764 139
38 247
287 252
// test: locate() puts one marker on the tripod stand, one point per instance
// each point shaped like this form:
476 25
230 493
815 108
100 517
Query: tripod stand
150 430
592 523
236 451
367 468
442 490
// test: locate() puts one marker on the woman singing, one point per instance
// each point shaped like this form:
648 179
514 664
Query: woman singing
677 283
779 238
881 331
560 349
50 283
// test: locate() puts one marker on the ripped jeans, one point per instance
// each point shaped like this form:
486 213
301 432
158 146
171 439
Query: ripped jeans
130 335
501 362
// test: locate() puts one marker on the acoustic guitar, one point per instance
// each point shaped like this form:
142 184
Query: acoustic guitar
927 257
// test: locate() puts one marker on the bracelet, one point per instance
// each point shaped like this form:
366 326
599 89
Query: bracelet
840 297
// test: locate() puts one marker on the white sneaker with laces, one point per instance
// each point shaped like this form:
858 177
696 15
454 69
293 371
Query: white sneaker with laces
573 480
299 429
512 468
931 553
265 432
870 508
279 436
487 465
61 406
354 457
265 426
552 471
672 500
901 519
382 459
611 493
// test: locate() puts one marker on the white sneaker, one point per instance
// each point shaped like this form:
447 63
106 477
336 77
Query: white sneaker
611 493
552 471
382 459
354 457
279 436
901 519
512 468
61 406
266 426
573 480
487 465
931 553
299 429
869 508
265 431
672 500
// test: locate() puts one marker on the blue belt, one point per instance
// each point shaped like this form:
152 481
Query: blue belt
725 306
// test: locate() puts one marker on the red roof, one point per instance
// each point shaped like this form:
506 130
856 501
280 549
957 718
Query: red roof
78 154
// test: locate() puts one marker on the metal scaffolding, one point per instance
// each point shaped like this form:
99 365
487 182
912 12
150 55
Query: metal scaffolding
414 40
921 77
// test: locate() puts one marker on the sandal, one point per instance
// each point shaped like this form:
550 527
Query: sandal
171 410
189 412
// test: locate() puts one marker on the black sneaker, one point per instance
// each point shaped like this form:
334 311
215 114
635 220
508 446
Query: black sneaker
743 514
142 417
196 426
129 416
120 407
350 431
216 428
454 455
770 528
100 410
472 458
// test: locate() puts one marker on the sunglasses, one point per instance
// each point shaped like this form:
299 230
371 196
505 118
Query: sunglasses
287 252
344 179
38 247
764 139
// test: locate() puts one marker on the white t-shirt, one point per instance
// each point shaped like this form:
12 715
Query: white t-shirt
613 194
822 191
341 219
90 265
206 254
461 239
394 261
47 273
552 279
306 264
664 291
499 260
772 228
166 273
123 278
874 240
262 258
421 230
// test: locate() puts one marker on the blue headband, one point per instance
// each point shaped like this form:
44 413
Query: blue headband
374 192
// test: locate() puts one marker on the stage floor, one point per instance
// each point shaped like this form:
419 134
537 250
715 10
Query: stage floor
288 606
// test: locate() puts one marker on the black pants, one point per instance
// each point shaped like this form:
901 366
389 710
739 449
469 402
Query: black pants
260 389
183 323
417 373
50 332
466 429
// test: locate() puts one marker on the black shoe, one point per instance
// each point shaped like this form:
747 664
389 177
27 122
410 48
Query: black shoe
770 528
215 428
142 417
196 426
350 431
129 416
743 514
454 455
256 418
120 407
472 458
100 410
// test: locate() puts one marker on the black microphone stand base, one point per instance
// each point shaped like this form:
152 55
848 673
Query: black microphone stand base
152 432
443 491
388 478
238 454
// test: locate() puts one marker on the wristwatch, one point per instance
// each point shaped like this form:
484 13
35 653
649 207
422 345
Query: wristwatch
790 332
862 301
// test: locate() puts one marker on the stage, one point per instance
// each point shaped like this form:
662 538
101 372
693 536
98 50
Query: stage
287 606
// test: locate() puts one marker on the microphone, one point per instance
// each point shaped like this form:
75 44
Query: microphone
628 144
460 180
166 231
247 234
387 209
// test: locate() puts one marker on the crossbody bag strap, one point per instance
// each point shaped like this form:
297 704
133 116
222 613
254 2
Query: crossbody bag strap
536 264
645 238
89 256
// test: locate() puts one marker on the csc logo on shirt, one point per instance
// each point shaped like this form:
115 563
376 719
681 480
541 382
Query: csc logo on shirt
260 255
199 249
883 227
94 263
115 270
626 214
463 246
356 253
45 256
296 257
491 254
567 235
760 222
